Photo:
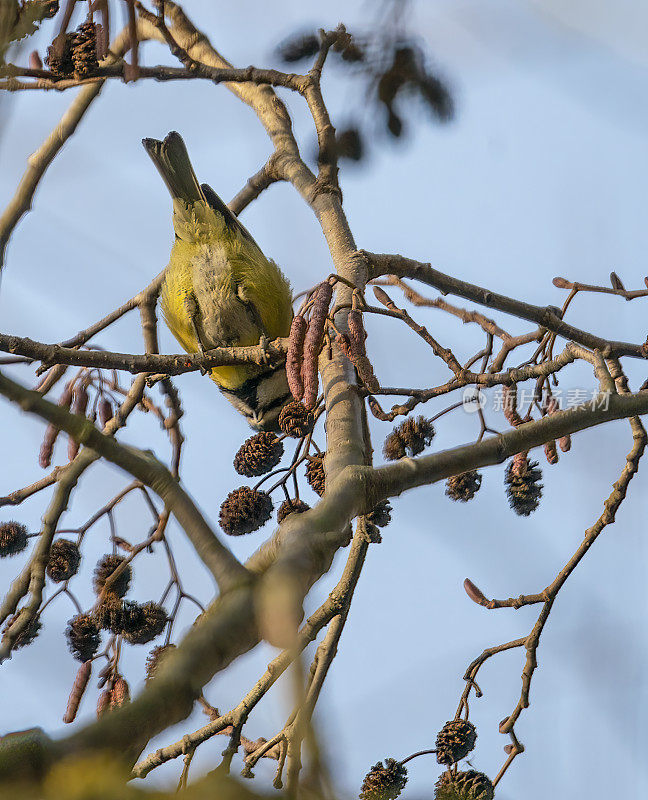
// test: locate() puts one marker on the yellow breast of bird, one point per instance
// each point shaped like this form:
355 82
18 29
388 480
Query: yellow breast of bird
224 293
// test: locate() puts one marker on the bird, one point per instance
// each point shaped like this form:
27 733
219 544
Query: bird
219 290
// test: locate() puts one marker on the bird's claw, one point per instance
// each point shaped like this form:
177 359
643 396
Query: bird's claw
264 342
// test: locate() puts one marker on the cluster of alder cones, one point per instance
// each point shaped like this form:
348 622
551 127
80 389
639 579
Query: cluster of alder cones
385 781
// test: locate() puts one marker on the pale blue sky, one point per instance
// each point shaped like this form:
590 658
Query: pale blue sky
543 173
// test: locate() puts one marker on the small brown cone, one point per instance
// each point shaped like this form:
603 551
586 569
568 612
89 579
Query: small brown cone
244 510
384 781
258 454
455 740
469 785
291 506
315 473
295 420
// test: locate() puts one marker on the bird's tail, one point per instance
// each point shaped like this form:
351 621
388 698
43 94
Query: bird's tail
172 161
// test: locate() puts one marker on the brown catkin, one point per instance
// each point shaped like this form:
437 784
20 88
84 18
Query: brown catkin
509 397
314 340
383 297
103 703
120 693
76 694
565 443
357 353
105 411
295 357
551 454
79 406
52 432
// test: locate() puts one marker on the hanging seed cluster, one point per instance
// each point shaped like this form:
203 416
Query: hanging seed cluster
74 55
469 785
455 740
523 487
83 636
13 538
409 438
381 515
463 487
106 566
384 781
295 420
258 454
291 506
315 473
64 560
244 510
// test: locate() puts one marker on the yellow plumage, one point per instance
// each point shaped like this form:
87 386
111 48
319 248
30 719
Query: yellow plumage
219 289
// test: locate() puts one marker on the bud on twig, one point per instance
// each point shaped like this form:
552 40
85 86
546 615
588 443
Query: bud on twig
295 357
475 594
383 297
52 432
120 693
103 704
78 688
562 283
314 340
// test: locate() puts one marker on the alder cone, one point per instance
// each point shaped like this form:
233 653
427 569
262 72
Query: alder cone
384 781
295 420
105 568
469 785
84 50
83 637
258 454
292 506
315 473
381 514
13 538
463 487
244 510
455 740
64 560
409 438
147 622
59 55
523 486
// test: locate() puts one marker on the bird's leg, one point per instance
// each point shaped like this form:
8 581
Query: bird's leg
191 306
264 339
